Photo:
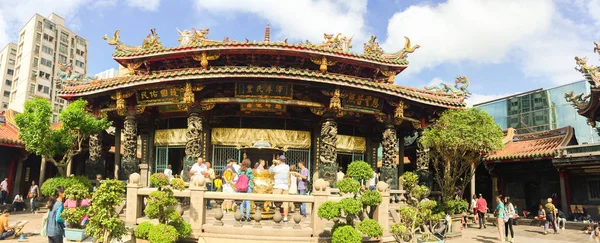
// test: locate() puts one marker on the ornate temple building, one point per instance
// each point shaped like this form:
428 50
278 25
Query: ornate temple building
317 103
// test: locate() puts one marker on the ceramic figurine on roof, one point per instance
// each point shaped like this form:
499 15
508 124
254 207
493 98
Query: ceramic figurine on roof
151 40
119 46
186 37
335 42
401 54
590 72
66 77
372 47
579 101
459 89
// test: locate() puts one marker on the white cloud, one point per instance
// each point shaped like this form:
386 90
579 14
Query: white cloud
148 5
532 33
301 19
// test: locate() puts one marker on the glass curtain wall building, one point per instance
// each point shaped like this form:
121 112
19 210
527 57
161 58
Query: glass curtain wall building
542 109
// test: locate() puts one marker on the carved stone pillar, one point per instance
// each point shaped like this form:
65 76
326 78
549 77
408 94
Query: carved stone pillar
389 171
328 152
95 163
129 164
193 146
117 152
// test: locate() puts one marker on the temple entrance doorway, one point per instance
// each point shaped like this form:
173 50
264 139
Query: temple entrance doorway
345 158
172 155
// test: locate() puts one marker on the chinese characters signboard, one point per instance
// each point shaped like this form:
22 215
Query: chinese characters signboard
262 107
170 94
362 101
263 90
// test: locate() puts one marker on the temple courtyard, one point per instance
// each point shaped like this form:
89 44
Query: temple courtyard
524 233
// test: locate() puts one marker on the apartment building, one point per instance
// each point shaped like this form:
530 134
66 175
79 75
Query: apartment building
109 73
8 57
43 44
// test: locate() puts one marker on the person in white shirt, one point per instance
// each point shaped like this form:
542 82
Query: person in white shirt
4 190
340 174
282 172
237 169
197 169
18 203
168 171
373 181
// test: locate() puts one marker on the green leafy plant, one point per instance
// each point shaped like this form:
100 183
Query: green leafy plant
77 192
370 228
74 216
360 170
161 206
142 230
159 180
163 233
456 206
105 224
47 189
347 210
346 234
57 146
418 214
457 140
348 185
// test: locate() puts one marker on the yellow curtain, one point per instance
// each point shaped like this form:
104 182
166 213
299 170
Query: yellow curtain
351 144
171 137
245 137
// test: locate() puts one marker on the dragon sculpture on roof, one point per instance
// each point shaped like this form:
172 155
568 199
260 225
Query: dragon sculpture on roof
578 101
591 72
459 89
66 77
119 46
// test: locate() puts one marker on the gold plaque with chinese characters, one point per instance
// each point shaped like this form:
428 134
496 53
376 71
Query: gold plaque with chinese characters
160 95
262 107
274 90
362 101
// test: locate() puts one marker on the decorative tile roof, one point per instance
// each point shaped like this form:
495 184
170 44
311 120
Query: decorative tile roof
9 132
270 46
440 99
537 145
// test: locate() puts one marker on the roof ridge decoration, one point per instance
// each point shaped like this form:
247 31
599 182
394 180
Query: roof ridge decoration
67 78
194 38
459 89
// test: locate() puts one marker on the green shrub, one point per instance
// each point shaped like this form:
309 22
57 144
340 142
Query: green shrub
346 234
329 210
370 198
77 192
162 233
351 206
336 226
74 216
370 228
360 170
183 228
104 220
159 180
348 185
178 184
142 230
47 189
456 206
160 205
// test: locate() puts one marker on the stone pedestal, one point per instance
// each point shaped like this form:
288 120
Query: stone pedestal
134 205
197 203
144 175
382 211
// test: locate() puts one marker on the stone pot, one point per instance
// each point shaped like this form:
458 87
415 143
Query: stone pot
75 234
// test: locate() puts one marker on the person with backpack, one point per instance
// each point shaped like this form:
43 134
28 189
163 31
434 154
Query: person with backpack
244 184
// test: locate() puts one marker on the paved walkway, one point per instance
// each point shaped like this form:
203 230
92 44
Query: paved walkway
523 233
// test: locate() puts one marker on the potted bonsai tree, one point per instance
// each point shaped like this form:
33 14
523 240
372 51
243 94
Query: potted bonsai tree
162 206
354 207
75 230
105 224
417 215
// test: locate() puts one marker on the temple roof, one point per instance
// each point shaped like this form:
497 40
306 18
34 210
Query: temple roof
447 100
9 132
537 145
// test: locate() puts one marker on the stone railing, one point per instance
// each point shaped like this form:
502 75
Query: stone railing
215 223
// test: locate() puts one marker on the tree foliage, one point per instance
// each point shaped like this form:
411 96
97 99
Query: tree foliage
458 139
35 129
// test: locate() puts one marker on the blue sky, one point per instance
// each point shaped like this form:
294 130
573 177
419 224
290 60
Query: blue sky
504 46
